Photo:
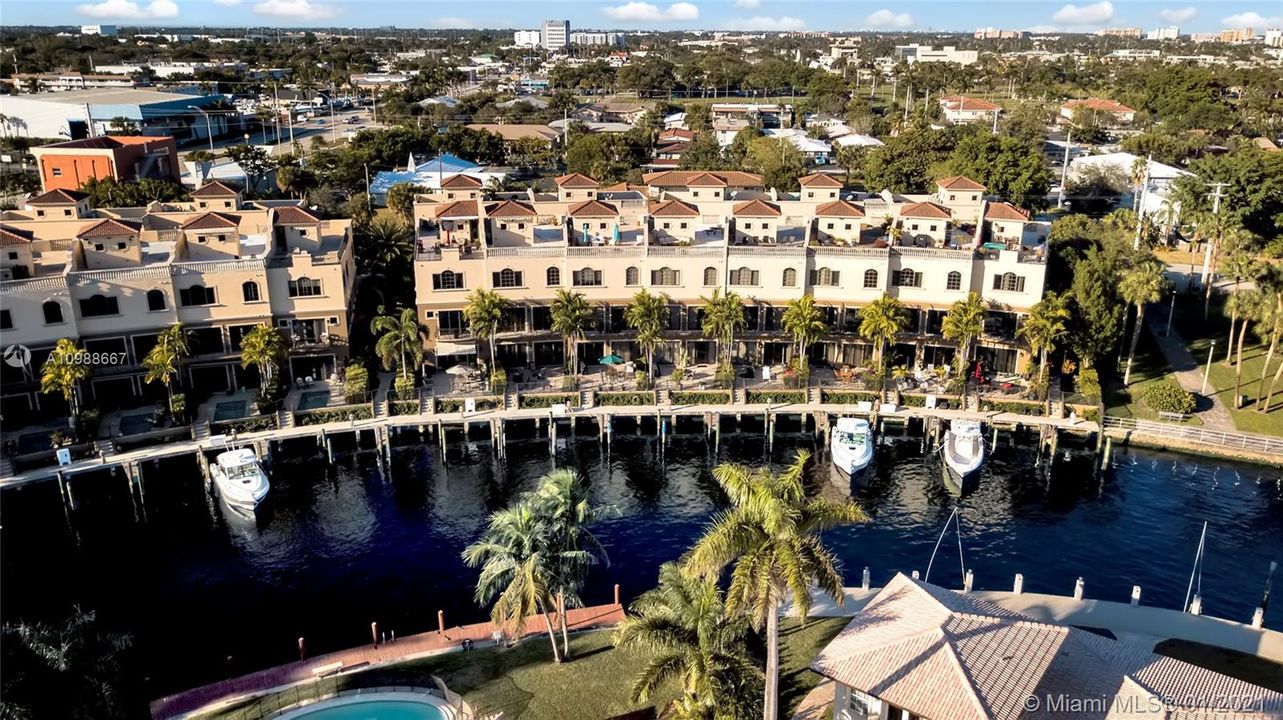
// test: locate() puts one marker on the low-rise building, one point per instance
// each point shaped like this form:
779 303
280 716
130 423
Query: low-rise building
1171 32
960 109
77 114
1105 111
915 53
126 158
1127 32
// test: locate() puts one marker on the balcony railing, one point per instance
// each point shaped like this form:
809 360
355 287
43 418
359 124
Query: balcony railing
606 251
52 283
750 250
934 253
684 251
831 251
523 251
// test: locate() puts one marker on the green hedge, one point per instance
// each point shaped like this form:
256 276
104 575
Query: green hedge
454 405
614 399
757 397
913 400
403 407
701 397
1020 407
547 401
847 397
1168 397
339 414
244 425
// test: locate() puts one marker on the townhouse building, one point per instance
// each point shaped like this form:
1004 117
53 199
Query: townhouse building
686 234
113 278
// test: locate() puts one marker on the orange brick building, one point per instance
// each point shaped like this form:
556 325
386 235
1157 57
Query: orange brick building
67 165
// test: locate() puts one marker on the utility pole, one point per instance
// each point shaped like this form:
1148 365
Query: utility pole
1140 203
1064 168
1211 245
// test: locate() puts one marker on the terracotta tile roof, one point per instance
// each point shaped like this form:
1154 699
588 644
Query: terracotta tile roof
677 134
110 228
756 208
1005 211
840 208
576 180
819 180
58 197
706 180
593 208
293 215
682 178
458 209
941 654
15 236
518 131
461 182
214 189
960 182
926 210
959 103
673 208
1099 105
211 221
510 209
625 187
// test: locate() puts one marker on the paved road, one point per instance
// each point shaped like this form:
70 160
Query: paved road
304 130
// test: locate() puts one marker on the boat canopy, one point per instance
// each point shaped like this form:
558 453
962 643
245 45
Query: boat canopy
236 458
852 425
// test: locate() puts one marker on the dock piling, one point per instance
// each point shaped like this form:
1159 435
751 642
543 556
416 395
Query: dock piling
1019 585
1135 595
302 649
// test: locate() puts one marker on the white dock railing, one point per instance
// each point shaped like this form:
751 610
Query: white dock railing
1218 438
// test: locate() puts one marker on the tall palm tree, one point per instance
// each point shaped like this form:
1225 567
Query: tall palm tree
62 374
1045 326
1241 263
771 534
723 316
164 361
880 322
1249 306
67 670
648 314
484 312
264 347
1214 228
515 569
804 321
1141 285
963 324
400 339
562 501
684 625
572 317
1271 284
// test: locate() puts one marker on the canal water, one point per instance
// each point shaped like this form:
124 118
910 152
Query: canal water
341 545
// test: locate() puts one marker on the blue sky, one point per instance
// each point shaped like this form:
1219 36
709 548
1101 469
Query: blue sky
835 15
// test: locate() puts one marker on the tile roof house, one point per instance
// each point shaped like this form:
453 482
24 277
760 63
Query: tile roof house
512 133
961 109
510 209
756 208
919 650
1119 111
927 210
673 208
592 208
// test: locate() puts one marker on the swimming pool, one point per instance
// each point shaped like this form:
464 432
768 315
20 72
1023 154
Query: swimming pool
313 400
233 410
136 424
384 706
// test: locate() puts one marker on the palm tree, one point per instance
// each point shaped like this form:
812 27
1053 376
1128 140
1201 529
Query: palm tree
68 670
1214 227
400 338
1271 317
963 324
264 347
164 361
1250 307
562 502
1044 327
1241 263
572 317
684 625
771 534
484 312
723 315
1141 285
805 322
515 568
62 373
648 314
387 246
880 322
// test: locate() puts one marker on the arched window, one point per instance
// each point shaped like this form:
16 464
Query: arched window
305 287
870 278
954 282
663 276
99 305
790 277
586 276
53 312
249 290
554 276
155 300
448 280
507 278
1010 282
632 276
200 295
908 278
710 276
825 276
744 276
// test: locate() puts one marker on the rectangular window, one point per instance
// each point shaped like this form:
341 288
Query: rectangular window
810 194
695 194
13 256
666 226
121 245
6 320
933 228
305 287
914 226
447 281
57 172
99 306
829 226
521 226
587 278
507 278
99 247
848 226
748 226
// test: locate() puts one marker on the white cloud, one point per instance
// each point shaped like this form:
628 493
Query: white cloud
1178 15
750 4
770 24
1253 20
227 3
887 19
296 10
1079 15
646 12
130 10
453 22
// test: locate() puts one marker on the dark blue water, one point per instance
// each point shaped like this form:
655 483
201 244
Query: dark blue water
343 546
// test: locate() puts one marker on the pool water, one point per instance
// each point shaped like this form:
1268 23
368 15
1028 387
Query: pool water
229 410
375 710
313 400
135 424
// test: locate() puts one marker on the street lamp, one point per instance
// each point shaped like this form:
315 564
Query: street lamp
209 128
1210 352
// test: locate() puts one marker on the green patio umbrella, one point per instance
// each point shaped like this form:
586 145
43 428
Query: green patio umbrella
611 359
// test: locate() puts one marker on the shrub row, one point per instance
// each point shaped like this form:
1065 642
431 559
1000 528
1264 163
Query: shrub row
403 407
755 397
700 397
847 397
613 399
547 401
339 414
244 425
1021 407
453 405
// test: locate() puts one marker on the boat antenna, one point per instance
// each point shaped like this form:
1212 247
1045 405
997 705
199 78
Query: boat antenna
953 518
1197 571
1269 580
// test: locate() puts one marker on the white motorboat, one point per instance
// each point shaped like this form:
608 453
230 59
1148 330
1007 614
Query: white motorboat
240 479
851 445
964 452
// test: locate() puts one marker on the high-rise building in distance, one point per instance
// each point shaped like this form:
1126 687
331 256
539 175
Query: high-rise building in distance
556 34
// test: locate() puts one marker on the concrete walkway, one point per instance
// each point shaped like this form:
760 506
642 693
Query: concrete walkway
1189 374
818 703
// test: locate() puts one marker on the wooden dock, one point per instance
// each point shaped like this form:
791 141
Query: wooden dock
436 642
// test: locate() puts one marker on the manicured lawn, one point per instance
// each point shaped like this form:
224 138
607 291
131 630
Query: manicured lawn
1149 368
522 682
